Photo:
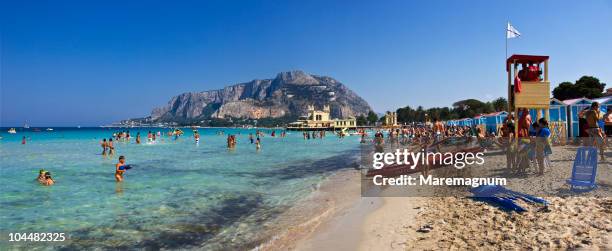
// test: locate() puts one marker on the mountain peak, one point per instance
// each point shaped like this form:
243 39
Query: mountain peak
296 77
286 96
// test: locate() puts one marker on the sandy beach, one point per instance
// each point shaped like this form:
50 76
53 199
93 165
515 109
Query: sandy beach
570 221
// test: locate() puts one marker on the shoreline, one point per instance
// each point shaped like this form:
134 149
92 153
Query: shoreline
336 194
429 223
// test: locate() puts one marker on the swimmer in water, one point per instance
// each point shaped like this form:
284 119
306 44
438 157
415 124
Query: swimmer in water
258 144
47 180
118 170
41 176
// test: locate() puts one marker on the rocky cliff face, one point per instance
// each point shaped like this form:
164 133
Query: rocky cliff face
288 94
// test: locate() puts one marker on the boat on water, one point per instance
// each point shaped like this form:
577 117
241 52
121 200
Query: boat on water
26 126
49 129
12 131
36 130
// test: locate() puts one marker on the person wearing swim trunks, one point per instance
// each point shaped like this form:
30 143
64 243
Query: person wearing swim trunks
438 129
593 116
118 170
103 144
111 147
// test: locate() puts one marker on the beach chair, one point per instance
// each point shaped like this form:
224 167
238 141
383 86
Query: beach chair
584 170
504 198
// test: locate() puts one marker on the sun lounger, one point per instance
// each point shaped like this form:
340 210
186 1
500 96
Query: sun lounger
584 170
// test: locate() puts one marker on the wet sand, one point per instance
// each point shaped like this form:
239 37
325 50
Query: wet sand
332 214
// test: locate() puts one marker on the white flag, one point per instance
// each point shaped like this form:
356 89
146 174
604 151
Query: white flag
511 32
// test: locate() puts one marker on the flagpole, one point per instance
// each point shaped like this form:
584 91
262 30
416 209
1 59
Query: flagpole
506 36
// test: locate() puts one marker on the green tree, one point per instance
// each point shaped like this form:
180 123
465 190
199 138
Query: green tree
500 104
372 118
361 120
471 107
586 86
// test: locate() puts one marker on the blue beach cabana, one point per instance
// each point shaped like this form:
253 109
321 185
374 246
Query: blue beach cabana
479 120
465 122
574 106
557 110
452 123
558 121
494 120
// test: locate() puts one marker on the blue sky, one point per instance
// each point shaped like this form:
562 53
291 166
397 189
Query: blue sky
69 63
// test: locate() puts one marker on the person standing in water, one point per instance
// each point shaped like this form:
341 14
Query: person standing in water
111 147
196 135
120 169
258 144
23 140
251 138
104 145
138 138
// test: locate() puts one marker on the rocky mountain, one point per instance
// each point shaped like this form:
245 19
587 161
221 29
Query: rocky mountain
287 95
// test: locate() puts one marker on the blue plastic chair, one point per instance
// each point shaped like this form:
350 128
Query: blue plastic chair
584 170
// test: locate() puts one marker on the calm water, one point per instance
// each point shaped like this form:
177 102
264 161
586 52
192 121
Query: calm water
178 195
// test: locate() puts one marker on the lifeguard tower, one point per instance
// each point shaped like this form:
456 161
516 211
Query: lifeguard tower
533 90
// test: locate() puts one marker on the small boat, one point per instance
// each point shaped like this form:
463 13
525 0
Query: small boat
26 126
49 129
36 130
12 131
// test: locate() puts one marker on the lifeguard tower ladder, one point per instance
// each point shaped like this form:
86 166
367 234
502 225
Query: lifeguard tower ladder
534 94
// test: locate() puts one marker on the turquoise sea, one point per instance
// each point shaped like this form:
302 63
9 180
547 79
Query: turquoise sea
179 195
